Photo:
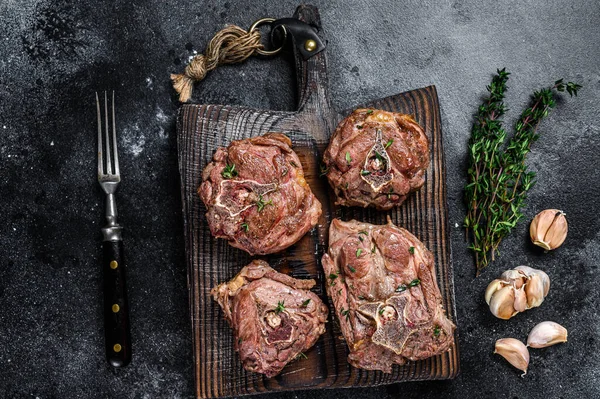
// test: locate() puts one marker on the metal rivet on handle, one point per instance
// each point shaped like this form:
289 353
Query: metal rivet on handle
114 264
310 45
117 348
115 308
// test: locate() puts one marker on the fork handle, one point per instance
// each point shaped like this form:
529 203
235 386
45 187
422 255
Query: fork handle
116 308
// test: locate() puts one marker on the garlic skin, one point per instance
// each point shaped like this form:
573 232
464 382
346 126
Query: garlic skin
515 352
548 229
517 290
546 334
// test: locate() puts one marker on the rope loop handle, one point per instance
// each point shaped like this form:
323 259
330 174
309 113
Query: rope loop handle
229 46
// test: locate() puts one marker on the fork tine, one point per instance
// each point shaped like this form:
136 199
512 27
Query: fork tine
115 154
100 168
108 163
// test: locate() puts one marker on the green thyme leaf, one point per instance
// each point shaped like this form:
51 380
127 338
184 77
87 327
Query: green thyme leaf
333 276
359 126
414 283
353 270
369 112
245 227
436 331
280 307
301 355
365 172
388 144
381 310
305 303
229 172
260 204
411 250
401 288
358 252
294 164
348 158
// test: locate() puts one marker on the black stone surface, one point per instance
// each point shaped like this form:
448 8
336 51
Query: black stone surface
56 53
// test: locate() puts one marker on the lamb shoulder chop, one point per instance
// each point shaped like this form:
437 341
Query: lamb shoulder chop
383 286
274 317
376 158
256 195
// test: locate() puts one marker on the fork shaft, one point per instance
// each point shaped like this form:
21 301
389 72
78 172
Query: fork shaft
116 308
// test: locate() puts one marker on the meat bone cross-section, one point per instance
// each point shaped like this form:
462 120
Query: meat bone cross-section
256 195
274 316
382 283
376 158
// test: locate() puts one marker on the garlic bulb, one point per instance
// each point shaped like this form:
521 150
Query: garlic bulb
517 290
549 229
515 352
546 334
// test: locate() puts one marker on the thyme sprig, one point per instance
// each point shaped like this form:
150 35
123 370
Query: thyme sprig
498 179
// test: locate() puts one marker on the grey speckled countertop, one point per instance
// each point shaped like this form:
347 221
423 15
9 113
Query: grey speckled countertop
56 53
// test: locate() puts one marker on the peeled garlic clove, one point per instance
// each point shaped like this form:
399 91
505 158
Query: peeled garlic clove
492 288
501 303
520 303
548 229
515 352
546 334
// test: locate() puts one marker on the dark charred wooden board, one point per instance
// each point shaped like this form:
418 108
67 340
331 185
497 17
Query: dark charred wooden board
203 128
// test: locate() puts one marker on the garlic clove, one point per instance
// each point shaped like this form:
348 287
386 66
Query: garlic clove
492 287
515 352
501 303
546 334
548 229
514 277
534 289
520 303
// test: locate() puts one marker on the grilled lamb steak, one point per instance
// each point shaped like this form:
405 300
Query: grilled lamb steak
376 158
256 195
274 316
383 286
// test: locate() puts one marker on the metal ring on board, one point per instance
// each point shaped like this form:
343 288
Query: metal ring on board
264 21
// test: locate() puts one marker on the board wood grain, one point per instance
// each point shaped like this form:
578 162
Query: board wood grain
204 128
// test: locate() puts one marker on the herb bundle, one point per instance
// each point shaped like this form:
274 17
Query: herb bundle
497 174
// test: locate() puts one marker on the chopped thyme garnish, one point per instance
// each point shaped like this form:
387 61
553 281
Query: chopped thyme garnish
284 172
260 204
324 169
353 270
389 194
436 331
345 313
347 185
361 297
358 252
363 232
369 112
360 238
401 288
305 303
333 276
373 249
379 157
293 164
239 341
348 158
301 355
245 227
280 307
388 144
381 310
359 126
414 283
365 172
411 250
229 172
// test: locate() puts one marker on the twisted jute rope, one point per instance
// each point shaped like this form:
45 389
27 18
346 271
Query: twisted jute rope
230 45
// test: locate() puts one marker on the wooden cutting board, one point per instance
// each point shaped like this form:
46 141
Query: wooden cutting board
203 128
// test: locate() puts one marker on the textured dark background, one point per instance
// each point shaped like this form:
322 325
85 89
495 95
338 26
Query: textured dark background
56 53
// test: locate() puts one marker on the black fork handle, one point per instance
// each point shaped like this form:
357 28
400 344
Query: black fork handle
116 309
